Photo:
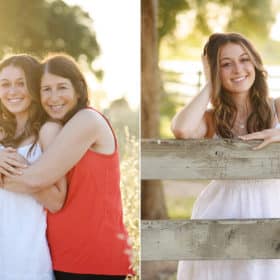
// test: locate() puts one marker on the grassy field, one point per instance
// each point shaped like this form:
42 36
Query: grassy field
180 207
131 195
180 197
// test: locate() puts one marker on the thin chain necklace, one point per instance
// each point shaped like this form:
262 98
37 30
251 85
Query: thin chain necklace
242 124
240 127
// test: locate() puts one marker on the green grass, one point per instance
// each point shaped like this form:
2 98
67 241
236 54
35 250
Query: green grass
180 207
131 194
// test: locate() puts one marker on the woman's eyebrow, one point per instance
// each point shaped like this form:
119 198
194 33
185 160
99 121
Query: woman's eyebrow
243 54
18 79
62 83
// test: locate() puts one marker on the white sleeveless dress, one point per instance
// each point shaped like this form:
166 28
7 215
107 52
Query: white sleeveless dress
24 252
235 199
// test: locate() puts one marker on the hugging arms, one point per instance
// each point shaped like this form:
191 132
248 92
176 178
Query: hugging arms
63 153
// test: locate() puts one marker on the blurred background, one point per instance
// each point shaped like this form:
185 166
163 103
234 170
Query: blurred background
173 35
104 37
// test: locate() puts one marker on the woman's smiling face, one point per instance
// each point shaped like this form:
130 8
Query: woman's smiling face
14 94
237 71
58 95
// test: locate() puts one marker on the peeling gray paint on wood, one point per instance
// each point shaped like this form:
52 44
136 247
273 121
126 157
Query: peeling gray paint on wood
208 159
210 239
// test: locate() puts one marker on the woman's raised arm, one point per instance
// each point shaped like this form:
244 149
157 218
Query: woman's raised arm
192 120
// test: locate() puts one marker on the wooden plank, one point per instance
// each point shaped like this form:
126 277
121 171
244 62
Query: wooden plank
208 159
216 239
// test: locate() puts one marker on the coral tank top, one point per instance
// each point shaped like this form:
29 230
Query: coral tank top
88 235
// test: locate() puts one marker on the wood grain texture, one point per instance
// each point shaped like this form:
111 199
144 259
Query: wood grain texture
216 239
208 159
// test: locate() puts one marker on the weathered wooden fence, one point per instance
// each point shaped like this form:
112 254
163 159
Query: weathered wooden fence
209 239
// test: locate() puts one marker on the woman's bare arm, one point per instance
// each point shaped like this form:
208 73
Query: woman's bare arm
76 137
192 121
54 196
268 136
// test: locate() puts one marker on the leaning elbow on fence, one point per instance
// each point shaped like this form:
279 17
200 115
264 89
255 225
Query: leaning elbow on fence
180 133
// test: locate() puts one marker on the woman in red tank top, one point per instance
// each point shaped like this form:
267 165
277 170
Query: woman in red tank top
87 238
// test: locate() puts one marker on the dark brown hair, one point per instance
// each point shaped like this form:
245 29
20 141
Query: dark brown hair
225 110
65 66
36 116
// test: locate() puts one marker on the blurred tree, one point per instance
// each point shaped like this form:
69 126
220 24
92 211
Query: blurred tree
41 26
167 12
256 15
152 199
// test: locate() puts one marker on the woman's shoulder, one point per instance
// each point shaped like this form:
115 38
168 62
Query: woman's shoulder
275 106
48 132
277 103
85 113
50 126
2 133
209 119
209 113
94 126
89 117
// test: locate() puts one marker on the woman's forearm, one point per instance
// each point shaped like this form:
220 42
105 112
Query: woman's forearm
52 198
190 119
34 178
64 152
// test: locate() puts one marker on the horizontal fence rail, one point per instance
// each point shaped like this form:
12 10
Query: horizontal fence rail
219 239
208 159
209 239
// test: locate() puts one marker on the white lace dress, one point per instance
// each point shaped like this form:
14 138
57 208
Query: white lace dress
24 252
235 199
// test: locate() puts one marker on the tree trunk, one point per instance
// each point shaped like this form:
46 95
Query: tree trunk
152 197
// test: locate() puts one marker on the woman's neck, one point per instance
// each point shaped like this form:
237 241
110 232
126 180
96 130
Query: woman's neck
21 120
242 103
243 106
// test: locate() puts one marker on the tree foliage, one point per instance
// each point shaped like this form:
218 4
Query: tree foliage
167 11
41 26
250 17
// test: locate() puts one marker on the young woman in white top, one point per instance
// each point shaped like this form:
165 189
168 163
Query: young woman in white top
24 252
237 88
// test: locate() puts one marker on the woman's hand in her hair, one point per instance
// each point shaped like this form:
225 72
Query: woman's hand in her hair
268 136
11 162
207 72
206 68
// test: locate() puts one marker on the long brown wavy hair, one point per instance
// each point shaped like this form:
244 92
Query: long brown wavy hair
63 65
36 116
224 108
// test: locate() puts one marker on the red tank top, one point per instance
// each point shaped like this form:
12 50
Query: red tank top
88 235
